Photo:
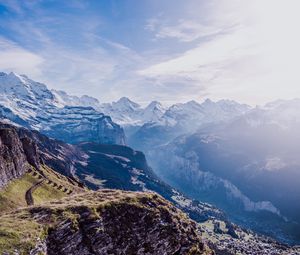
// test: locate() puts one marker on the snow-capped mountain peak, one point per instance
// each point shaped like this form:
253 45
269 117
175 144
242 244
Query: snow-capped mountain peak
31 104
153 112
19 86
125 103
65 99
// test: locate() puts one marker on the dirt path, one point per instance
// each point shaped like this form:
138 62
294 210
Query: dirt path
28 194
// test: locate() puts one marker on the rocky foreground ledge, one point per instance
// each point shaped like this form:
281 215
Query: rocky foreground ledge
102 222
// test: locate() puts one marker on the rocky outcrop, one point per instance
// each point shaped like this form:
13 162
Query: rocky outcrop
102 166
21 149
118 222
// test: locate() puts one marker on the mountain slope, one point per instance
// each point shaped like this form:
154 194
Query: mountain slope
98 166
25 179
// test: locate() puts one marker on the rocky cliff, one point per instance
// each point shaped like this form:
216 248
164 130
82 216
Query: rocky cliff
15 154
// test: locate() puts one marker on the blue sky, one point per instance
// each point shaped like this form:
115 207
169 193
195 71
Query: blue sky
170 50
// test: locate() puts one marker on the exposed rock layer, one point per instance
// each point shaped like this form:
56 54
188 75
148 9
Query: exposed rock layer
13 163
115 222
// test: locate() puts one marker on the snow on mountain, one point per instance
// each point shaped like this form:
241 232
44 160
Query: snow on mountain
65 99
189 116
128 113
33 101
31 104
282 114
23 96
183 115
153 112
124 111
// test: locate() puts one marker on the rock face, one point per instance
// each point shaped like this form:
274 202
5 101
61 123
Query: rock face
12 156
31 152
81 124
21 148
32 105
115 222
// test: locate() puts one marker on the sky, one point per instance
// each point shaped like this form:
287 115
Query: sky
171 50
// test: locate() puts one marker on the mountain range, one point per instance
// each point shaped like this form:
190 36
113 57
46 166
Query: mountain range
31 104
231 155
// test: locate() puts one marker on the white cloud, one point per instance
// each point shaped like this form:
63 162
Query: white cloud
18 59
220 48
92 69
183 30
254 61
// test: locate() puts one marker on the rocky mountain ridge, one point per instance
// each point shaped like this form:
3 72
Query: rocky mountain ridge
96 166
129 114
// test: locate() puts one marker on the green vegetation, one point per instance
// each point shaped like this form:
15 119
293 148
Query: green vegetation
45 193
55 186
13 195
18 231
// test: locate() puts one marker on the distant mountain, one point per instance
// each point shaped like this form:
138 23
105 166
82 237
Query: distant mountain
185 118
248 166
31 104
124 111
191 115
156 124
65 99
180 116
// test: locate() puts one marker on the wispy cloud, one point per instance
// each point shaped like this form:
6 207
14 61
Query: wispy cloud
183 30
15 58
13 5
170 52
250 60
93 65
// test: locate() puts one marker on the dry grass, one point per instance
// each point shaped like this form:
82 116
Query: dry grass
24 227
